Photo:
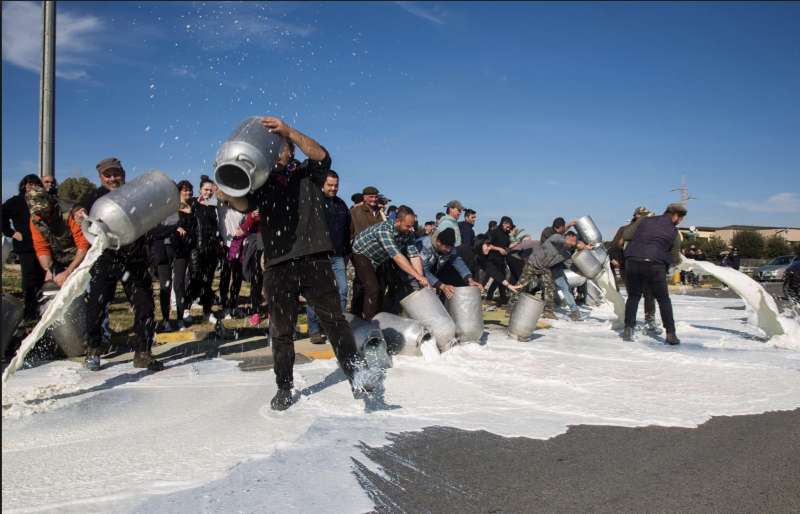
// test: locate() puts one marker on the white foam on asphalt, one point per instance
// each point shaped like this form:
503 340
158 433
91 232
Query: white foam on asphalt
200 437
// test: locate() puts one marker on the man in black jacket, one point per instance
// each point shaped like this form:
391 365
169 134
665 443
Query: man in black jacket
337 216
297 247
16 212
128 264
654 245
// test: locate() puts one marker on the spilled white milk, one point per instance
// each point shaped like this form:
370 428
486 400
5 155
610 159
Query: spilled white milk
761 307
74 285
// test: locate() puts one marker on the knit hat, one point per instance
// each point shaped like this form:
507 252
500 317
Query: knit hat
447 237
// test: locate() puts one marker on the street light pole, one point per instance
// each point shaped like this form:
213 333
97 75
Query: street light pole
47 89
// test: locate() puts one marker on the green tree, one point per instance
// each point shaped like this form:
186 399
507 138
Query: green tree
73 190
750 244
777 246
713 246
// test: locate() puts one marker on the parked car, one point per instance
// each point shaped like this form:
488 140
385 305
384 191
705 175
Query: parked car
791 281
774 269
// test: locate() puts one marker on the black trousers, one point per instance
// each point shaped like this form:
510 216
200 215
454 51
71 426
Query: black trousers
649 299
203 265
256 286
230 283
312 277
496 269
164 289
138 286
641 276
32 280
179 266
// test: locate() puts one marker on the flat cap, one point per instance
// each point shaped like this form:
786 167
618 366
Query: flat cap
677 208
110 163
370 190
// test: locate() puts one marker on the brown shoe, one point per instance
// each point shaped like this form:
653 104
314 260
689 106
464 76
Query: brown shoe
146 360
549 315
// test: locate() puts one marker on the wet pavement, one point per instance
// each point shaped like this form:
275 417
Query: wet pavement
729 464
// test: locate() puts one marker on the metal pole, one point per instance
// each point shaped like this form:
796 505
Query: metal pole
47 90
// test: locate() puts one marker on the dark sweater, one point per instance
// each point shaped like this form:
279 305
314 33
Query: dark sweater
292 209
15 210
338 217
500 238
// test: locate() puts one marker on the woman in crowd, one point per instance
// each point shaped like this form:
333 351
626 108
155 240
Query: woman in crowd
206 251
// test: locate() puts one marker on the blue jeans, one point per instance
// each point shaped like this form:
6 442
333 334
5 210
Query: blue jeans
340 274
560 281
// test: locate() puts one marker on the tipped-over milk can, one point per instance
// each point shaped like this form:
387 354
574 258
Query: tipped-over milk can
525 315
404 336
424 306
588 230
246 158
69 332
587 263
574 279
465 309
127 213
370 342
13 311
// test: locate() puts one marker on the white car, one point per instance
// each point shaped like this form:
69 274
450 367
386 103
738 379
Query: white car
774 269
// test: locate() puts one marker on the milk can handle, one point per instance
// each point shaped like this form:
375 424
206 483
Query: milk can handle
242 157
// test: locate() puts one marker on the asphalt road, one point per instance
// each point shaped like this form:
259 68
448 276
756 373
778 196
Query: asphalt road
729 464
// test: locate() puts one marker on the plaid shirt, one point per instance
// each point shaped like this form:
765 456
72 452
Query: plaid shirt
381 242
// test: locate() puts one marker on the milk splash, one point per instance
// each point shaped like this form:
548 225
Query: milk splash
75 285
761 307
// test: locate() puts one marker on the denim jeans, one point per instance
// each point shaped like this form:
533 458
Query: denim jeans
561 283
340 275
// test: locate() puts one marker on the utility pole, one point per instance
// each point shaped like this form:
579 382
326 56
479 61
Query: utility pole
684 192
47 90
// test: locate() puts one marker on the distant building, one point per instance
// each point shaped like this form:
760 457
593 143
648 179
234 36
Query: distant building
726 233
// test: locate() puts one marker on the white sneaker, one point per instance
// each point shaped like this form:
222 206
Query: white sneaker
187 315
212 319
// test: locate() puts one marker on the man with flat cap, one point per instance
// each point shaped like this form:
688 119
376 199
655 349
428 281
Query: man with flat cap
129 264
363 215
653 245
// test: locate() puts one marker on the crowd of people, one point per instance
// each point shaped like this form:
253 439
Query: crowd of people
296 237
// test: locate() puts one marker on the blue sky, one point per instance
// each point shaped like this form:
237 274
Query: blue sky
534 110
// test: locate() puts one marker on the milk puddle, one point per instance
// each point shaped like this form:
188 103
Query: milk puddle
74 286
200 436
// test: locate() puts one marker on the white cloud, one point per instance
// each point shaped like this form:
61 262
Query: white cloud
419 12
778 203
22 39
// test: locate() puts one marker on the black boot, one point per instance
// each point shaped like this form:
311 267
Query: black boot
672 339
627 334
282 400
146 360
